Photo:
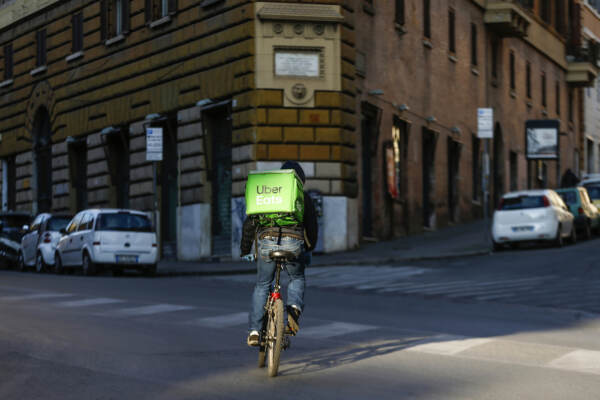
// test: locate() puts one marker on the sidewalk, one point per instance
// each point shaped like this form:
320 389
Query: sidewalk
456 241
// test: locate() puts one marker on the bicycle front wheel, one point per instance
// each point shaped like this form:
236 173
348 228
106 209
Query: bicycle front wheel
275 336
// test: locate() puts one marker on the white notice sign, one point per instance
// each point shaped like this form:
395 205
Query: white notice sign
154 144
297 64
485 123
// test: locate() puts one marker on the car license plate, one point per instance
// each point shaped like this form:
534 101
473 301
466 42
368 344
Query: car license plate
522 228
127 259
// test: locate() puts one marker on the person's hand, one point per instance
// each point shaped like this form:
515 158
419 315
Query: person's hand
249 257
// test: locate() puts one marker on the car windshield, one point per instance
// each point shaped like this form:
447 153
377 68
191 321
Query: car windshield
58 223
123 222
12 226
593 191
569 197
522 202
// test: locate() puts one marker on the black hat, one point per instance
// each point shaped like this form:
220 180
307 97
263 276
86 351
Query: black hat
296 167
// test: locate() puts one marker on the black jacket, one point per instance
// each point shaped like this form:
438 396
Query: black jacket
311 228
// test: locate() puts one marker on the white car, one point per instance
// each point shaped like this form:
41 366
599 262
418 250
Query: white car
113 238
38 245
532 215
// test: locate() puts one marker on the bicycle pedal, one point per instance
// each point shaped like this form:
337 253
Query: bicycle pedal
287 343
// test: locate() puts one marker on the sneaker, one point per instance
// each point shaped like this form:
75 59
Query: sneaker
253 339
293 313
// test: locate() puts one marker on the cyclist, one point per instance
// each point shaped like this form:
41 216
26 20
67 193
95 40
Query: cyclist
299 239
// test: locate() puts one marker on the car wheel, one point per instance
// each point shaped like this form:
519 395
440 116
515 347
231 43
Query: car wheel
89 267
21 263
573 237
40 265
588 230
58 265
558 241
496 247
150 270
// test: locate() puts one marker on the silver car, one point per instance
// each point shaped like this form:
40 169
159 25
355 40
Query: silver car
38 245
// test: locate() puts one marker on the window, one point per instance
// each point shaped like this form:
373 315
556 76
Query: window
475 166
512 70
528 80
495 46
83 225
123 221
557 94
399 12
570 105
544 89
545 11
473 44
77 30
451 31
114 16
8 62
426 19
73 225
157 9
40 59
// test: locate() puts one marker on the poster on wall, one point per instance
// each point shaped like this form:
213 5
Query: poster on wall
392 176
541 137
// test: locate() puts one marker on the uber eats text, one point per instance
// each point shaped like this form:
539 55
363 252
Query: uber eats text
262 197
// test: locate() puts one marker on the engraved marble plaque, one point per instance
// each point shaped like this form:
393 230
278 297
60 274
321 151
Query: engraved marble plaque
289 63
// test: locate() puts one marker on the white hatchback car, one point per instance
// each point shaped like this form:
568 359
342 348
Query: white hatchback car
532 215
38 245
117 239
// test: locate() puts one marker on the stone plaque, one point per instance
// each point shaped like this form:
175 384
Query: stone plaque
290 63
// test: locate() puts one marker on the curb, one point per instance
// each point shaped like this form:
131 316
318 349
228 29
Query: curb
338 263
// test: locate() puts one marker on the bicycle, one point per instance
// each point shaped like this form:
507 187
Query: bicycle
273 337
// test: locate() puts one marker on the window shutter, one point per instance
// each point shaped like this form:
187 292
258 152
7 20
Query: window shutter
172 6
103 20
148 11
126 23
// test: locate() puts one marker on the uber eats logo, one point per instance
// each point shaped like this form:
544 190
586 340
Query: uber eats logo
268 195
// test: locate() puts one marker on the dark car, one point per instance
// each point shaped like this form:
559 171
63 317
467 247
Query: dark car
13 225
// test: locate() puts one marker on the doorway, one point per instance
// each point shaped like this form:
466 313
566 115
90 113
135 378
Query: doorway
453 166
42 160
217 122
369 137
428 158
77 150
169 189
498 165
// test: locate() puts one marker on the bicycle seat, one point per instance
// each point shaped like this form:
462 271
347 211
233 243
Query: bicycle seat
282 255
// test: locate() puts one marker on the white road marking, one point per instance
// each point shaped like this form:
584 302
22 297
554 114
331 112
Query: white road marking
580 360
89 302
333 329
222 321
36 296
147 310
448 344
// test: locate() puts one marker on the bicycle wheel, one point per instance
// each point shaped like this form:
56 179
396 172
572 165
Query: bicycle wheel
275 337
262 348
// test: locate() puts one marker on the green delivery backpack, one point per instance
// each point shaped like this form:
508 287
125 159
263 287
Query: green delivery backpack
275 198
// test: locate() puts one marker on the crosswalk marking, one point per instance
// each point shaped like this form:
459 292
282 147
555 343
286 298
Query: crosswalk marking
222 321
89 302
448 344
579 360
334 329
148 310
36 296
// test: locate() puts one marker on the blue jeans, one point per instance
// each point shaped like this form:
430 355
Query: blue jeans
266 276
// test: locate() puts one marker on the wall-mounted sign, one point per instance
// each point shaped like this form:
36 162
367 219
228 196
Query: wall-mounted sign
485 123
542 139
302 63
154 144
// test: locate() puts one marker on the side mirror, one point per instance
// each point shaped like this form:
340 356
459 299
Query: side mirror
63 231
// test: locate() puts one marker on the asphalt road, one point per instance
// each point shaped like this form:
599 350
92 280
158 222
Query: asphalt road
514 325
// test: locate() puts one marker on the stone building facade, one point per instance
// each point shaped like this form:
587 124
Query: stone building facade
376 99
423 70
83 80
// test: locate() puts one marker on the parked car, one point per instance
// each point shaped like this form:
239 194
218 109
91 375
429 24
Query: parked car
38 245
587 216
13 226
592 185
532 215
111 238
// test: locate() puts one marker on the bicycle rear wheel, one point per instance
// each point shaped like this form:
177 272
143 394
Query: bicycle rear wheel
275 337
